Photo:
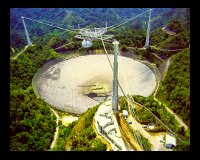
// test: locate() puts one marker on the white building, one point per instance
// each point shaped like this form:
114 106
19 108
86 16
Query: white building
125 113
151 127
170 142
107 127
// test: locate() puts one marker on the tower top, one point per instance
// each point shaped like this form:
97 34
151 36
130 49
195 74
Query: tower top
115 42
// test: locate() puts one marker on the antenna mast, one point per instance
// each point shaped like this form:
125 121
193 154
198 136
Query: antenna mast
115 77
148 30
26 32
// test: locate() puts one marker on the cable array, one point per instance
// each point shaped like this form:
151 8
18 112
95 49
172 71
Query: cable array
134 101
14 27
48 24
114 26
75 30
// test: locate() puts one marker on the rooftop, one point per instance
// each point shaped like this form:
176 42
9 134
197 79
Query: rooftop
170 140
125 112
109 128
102 120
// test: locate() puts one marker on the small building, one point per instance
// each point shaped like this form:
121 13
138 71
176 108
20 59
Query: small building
109 129
170 142
125 113
151 127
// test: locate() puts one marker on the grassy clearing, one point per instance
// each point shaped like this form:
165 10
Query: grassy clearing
83 136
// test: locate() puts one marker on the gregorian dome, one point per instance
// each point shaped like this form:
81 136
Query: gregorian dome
86 43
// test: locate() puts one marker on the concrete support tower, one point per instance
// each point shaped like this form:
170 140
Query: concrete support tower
115 77
27 36
148 31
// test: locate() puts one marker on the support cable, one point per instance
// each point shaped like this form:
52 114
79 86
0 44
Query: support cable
148 30
157 119
26 32
111 65
112 27
48 24
63 45
14 27
133 99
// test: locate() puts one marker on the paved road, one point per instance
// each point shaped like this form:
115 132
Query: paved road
167 31
177 118
63 45
157 56
57 128
181 123
20 52
153 139
161 49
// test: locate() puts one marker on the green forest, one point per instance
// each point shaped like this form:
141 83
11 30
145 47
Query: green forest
145 117
64 132
32 124
79 135
90 17
179 40
174 90
83 137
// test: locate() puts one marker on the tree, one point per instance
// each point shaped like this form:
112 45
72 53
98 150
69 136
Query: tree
29 129
124 48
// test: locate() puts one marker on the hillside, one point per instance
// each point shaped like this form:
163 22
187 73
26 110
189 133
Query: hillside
178 40
32 124
83 136
174 90
85 17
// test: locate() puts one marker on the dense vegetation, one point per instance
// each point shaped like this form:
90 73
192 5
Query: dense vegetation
144 117
71 17
83 136
142 141
62 135
179 40
32 125
174 90
123 103
136 135
130 35
184 144
86 17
